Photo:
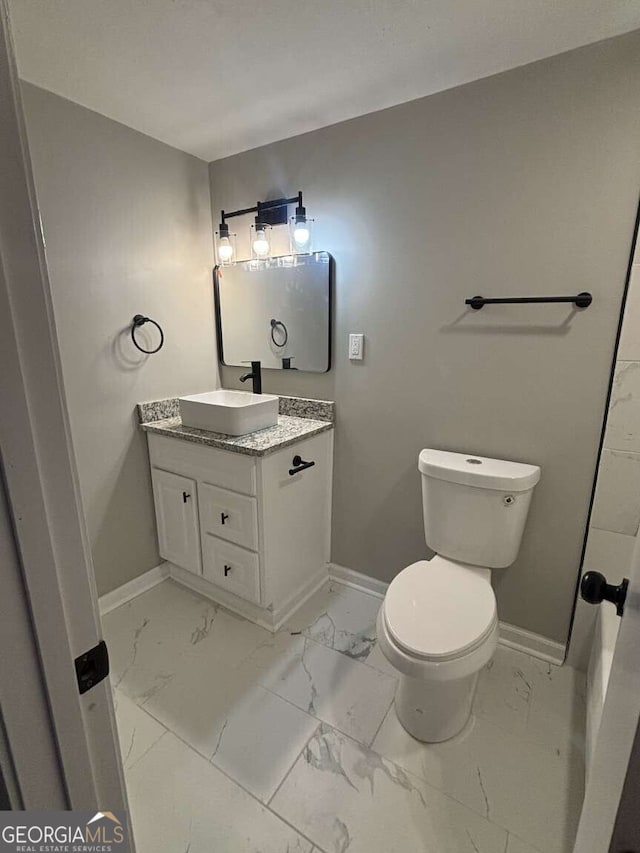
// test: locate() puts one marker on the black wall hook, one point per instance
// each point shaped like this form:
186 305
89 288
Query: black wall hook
140 320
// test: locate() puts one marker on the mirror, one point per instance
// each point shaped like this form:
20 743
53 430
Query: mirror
277 312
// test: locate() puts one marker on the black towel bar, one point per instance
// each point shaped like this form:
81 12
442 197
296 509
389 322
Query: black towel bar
582 300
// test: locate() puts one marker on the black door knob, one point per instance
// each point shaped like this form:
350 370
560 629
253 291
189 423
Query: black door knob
594 589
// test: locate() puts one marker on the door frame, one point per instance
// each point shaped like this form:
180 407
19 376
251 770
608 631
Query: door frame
613 755
44 519
25 739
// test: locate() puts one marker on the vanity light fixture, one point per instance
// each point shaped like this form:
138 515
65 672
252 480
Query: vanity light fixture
268 213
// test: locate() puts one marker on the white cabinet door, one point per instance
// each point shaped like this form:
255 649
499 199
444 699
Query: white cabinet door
176 503
296 516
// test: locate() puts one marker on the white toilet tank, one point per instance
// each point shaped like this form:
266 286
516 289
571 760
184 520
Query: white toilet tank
475 508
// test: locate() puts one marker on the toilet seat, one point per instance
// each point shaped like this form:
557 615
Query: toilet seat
439 610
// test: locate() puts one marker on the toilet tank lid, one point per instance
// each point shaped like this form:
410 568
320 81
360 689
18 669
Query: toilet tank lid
478 471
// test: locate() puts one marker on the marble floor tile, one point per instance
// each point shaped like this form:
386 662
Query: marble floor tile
168 629
260 741
378 661
340 618
325 683
137 731
343 796
247 731
540 701
224 714
196 709
505 688
226 641
524 788
149 635
181 802
515 845
557 710
248 701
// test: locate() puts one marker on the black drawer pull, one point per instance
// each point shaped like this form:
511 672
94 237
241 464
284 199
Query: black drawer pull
227 569
224 516
299 465
185 497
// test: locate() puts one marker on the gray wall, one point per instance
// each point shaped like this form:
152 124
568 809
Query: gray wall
127 226
523 183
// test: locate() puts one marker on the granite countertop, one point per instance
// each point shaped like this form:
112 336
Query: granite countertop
316 416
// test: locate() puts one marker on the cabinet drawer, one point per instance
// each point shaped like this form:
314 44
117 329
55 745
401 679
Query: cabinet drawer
228 515
231 567
222 467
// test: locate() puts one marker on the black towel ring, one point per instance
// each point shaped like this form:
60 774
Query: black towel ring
140 320
274 326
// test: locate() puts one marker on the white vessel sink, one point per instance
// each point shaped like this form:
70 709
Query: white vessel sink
230 412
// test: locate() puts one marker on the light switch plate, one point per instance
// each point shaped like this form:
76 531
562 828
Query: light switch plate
356 347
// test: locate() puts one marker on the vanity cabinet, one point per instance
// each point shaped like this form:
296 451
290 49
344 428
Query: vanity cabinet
242 529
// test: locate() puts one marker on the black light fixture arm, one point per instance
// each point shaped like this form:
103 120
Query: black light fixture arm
261 207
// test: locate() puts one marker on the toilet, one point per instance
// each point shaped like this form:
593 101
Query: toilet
438 624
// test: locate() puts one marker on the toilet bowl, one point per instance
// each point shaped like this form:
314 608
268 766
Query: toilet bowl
438 626
438 623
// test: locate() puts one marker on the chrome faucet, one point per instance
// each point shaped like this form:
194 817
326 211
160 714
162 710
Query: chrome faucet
255 376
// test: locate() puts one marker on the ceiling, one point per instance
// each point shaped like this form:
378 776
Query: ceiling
215 77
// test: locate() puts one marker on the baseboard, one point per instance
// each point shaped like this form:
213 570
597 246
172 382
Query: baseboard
122 594
510 635
533 644
301 597
231 602
357 580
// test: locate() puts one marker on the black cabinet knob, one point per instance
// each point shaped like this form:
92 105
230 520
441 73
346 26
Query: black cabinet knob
594 589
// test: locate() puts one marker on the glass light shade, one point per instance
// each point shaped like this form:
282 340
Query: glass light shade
225 249
260 241
300 235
